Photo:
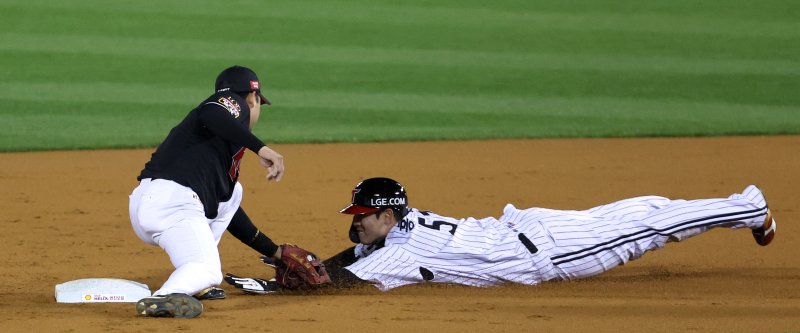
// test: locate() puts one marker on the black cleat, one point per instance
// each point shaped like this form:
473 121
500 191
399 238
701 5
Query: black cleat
169 306
210 293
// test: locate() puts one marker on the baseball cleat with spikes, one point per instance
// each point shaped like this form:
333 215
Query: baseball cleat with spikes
210 293
169 306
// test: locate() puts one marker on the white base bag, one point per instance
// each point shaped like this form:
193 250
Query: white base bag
101 290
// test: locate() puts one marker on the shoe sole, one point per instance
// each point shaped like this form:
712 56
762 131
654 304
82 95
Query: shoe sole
170 306
765 234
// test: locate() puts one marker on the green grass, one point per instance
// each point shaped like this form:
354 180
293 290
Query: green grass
85 74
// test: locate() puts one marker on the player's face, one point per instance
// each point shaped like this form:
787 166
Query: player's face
373 227
254 102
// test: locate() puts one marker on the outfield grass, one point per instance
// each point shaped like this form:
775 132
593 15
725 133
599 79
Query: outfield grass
106 73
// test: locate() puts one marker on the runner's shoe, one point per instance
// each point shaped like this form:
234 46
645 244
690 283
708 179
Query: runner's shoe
766 232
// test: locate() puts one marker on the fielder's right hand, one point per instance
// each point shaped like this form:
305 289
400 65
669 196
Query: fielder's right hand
272 161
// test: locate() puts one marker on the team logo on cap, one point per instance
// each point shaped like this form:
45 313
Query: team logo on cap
254 85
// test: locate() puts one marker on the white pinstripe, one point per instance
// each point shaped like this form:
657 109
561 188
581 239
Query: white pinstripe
570 244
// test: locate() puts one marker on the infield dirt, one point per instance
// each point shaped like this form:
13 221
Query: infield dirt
65 217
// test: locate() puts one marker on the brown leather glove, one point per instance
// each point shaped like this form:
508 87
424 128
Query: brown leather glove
299 269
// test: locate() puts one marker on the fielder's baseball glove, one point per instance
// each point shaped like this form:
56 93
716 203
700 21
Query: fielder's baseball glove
298 269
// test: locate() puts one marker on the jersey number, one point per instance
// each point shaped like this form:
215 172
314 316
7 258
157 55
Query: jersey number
236 161
436 225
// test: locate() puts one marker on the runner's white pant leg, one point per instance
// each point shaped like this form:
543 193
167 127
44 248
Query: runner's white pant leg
745 210
627 208
171 216
593 245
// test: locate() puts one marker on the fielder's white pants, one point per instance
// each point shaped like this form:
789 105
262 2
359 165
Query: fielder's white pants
170 215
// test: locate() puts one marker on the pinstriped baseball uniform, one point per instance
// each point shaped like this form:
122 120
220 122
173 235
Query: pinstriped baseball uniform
537 244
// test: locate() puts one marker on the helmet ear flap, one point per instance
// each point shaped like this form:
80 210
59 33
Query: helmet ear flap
399 212
403 212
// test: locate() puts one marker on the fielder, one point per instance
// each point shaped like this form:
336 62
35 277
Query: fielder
189 194
398 245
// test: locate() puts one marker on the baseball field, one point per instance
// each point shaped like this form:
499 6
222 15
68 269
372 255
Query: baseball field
473 104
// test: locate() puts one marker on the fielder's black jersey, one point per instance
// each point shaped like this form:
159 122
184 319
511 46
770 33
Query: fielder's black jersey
204 151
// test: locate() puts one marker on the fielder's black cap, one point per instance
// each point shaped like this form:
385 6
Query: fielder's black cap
240 79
